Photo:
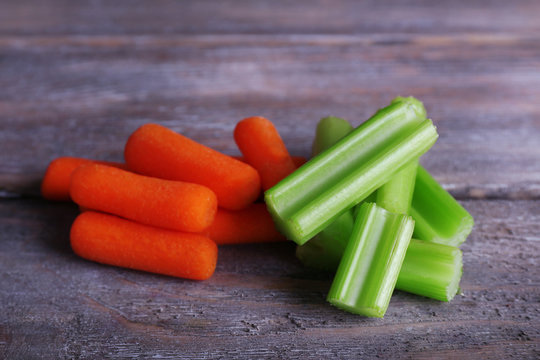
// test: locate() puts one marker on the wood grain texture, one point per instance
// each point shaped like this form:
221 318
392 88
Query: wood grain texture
260 303
76 78
135 17
83 96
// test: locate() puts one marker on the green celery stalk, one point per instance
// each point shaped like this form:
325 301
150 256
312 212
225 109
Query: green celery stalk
439 217
432 270
369 268
396 195
330 130
371 197
325 249
334 181
429 269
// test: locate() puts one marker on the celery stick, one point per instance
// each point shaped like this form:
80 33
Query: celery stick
312 197
325 249
430 269
396 195
409 99
439 217
369 268
371 197
329 130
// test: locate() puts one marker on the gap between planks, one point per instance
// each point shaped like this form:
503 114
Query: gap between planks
28 41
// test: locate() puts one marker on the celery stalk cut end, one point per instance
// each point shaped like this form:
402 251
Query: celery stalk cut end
372 260
453 286
286 226
358 310
415 105
439 217
432 270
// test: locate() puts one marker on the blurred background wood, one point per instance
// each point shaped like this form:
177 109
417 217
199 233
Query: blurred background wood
76 78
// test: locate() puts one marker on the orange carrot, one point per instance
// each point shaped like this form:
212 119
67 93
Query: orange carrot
55 185
157 151
250 225
163 203
263 149
115 241
297 160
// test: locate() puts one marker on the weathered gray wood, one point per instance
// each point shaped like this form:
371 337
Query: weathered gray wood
83 96
76 78
27 17
261 302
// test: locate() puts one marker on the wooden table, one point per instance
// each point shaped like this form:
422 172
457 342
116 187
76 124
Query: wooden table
76 78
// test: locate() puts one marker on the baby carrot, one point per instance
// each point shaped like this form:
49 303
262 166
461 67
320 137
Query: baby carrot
55 185
251 225
163 203
297 160
154 150
111 240
259 141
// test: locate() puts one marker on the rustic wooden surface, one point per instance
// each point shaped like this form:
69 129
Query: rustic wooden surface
76 78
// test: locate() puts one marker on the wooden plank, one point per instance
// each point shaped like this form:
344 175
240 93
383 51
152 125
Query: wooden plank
261 302
27 17
83 96
76 78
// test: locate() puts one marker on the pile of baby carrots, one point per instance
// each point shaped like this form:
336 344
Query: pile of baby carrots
174 200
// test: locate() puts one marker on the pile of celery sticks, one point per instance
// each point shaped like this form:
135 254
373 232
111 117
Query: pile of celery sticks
355 207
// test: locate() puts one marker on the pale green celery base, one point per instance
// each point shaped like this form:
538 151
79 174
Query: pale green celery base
439 217
372 260
432 270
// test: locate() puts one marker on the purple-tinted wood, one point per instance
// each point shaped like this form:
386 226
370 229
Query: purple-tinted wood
261 302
